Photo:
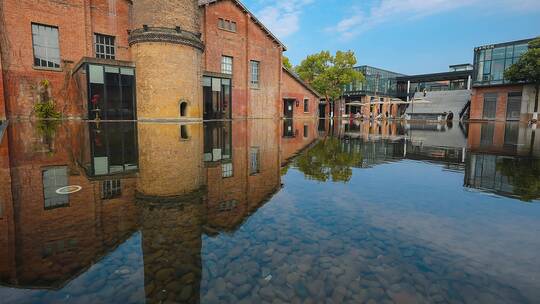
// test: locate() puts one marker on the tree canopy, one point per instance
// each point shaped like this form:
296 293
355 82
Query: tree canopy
328 74
287 63
527 69
328 160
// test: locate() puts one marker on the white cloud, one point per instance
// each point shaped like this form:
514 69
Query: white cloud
282 17
390 10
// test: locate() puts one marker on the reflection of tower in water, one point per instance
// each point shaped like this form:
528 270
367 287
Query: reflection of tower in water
170 196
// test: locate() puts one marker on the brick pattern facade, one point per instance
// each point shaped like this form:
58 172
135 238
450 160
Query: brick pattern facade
77 21
249 42
293 88
477 101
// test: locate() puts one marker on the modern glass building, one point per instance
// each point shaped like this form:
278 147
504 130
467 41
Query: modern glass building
490 61
377 82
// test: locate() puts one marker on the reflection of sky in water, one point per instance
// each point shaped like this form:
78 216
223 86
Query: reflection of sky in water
419 214
119 276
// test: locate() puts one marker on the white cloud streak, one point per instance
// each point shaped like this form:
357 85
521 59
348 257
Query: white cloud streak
283 16
385 11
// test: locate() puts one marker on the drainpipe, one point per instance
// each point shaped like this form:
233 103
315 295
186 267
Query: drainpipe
469 81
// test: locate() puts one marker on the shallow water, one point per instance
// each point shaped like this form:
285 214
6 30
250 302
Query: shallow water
262 211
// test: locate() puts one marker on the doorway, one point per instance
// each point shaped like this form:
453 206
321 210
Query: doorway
322 110
288 108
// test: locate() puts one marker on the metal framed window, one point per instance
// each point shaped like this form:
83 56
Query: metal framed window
255 73
306 105
104 46
490 106
254 157
46 46
226 65
111 189
513 106
53 179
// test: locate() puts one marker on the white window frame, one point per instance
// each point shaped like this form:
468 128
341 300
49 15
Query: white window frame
227 67
40 44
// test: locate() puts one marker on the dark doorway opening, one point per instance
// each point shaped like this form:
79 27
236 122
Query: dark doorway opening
322 110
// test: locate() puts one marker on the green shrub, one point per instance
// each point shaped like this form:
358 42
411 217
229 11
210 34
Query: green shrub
45 106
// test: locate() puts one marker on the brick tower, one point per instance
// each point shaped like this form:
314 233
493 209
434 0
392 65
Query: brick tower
167 49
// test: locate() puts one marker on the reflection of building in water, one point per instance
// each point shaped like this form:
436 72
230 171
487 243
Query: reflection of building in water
52 237
247 173
380 142
443 143
296 136
503 159
170 195
49 239
111 150
503 138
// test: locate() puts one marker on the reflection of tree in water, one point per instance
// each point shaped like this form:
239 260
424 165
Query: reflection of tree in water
524 175
328 159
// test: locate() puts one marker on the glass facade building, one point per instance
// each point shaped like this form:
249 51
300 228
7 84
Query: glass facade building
490 61
377 82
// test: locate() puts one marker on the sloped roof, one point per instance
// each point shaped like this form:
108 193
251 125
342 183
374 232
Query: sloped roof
253 18
303 83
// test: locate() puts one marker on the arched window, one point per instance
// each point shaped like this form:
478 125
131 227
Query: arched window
183 108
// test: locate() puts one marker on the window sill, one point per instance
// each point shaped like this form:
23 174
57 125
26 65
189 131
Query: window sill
255 87
47 69
226 30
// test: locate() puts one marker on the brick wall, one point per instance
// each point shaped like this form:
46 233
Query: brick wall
53 245
77 21
293 89
292 145
477 101
249 42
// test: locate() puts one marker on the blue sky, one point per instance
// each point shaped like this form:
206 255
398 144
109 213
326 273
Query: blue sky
406 36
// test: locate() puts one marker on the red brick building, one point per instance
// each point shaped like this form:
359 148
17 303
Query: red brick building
299 99
495 98
92 50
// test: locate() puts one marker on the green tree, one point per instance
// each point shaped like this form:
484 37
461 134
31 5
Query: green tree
327 160
527 69
524 175
328 74
287 63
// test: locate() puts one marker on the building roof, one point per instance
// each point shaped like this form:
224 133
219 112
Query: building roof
370 66
252 16
303 83
437 76
493 45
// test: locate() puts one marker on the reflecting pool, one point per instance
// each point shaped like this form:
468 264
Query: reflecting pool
264 211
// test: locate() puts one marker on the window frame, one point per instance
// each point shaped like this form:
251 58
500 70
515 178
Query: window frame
223 64
54 68
255 83
57 204
490 96
104 55
111 189
254 151
306 105
227 25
